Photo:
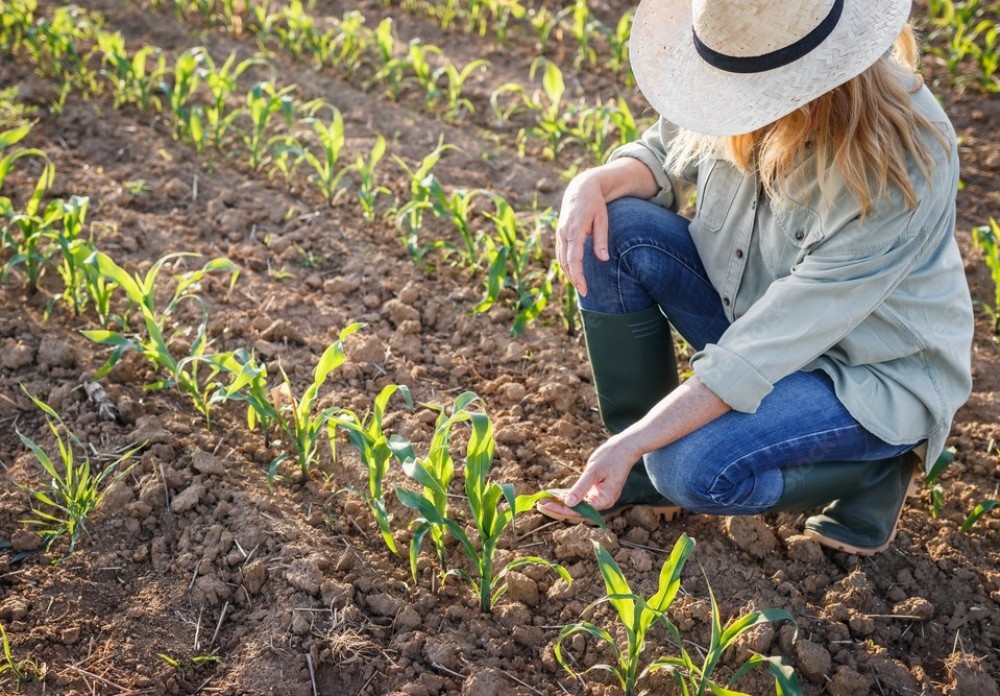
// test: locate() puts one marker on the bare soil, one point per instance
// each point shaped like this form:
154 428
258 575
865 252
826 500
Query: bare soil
289 585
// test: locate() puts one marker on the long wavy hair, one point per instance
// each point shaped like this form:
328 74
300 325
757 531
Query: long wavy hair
865 128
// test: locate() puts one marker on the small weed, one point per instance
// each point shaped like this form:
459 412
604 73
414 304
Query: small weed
75 490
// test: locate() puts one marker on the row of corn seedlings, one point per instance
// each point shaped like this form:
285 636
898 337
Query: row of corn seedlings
965 34
511 259
574 24
348 44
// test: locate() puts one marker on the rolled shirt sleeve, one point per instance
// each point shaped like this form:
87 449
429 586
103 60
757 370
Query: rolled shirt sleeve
835 287
651 151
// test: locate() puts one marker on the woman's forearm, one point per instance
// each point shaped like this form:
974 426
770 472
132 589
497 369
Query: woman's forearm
681 412
624 177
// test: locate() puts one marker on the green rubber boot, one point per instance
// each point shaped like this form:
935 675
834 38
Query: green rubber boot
633 365
864 500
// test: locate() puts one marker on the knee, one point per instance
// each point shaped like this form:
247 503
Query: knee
628 216
685 481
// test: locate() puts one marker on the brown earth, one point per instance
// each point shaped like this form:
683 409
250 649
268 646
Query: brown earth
194 554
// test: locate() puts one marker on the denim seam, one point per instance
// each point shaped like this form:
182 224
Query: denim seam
784 443
622 262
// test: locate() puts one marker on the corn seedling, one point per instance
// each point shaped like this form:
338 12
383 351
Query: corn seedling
182 665
73 251
985 238
411 214
221 82
512 260
546 106
618 40
263 103
453 81
132 82
489 515
392 69
352 41
985 506
24 670
15 20
582 27
326 174
187 72
295 29
52 47
418 59
23 232
637 615
436 471
75 489
364 168
603 127
931 480
298 419
969 34
373 446
154 345
99 288
248 384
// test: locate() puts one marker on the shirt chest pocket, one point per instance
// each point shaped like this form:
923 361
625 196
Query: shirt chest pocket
794 231
718 183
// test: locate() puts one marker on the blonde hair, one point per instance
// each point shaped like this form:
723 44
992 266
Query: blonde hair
865 128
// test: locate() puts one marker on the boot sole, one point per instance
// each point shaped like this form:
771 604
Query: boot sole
912 489
667 513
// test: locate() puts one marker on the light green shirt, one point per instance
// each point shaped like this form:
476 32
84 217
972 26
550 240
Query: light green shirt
881 305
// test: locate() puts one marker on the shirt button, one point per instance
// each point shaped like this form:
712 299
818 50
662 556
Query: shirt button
799 235
739 253
725 301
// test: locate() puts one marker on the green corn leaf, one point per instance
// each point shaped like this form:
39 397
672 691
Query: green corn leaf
978 512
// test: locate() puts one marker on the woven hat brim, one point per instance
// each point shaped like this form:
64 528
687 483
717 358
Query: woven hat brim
689 92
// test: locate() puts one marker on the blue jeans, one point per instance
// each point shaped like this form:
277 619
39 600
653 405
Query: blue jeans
732 465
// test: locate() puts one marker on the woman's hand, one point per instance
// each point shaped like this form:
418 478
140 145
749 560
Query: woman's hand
584 212
604 476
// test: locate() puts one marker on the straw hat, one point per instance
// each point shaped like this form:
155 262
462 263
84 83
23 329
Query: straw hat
724 67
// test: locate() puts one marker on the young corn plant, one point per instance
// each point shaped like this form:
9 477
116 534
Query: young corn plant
154 344
392 68
187 73
326 172
583 26
618 40
73 250
986 239
24 232
221 82
451 80
551 122
23 670
364 168
411 214
419 60
490 517
637 616
75 489
352 41
373 446
248 384
302 424
436 472
132 82
985 506
513 262
263 103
